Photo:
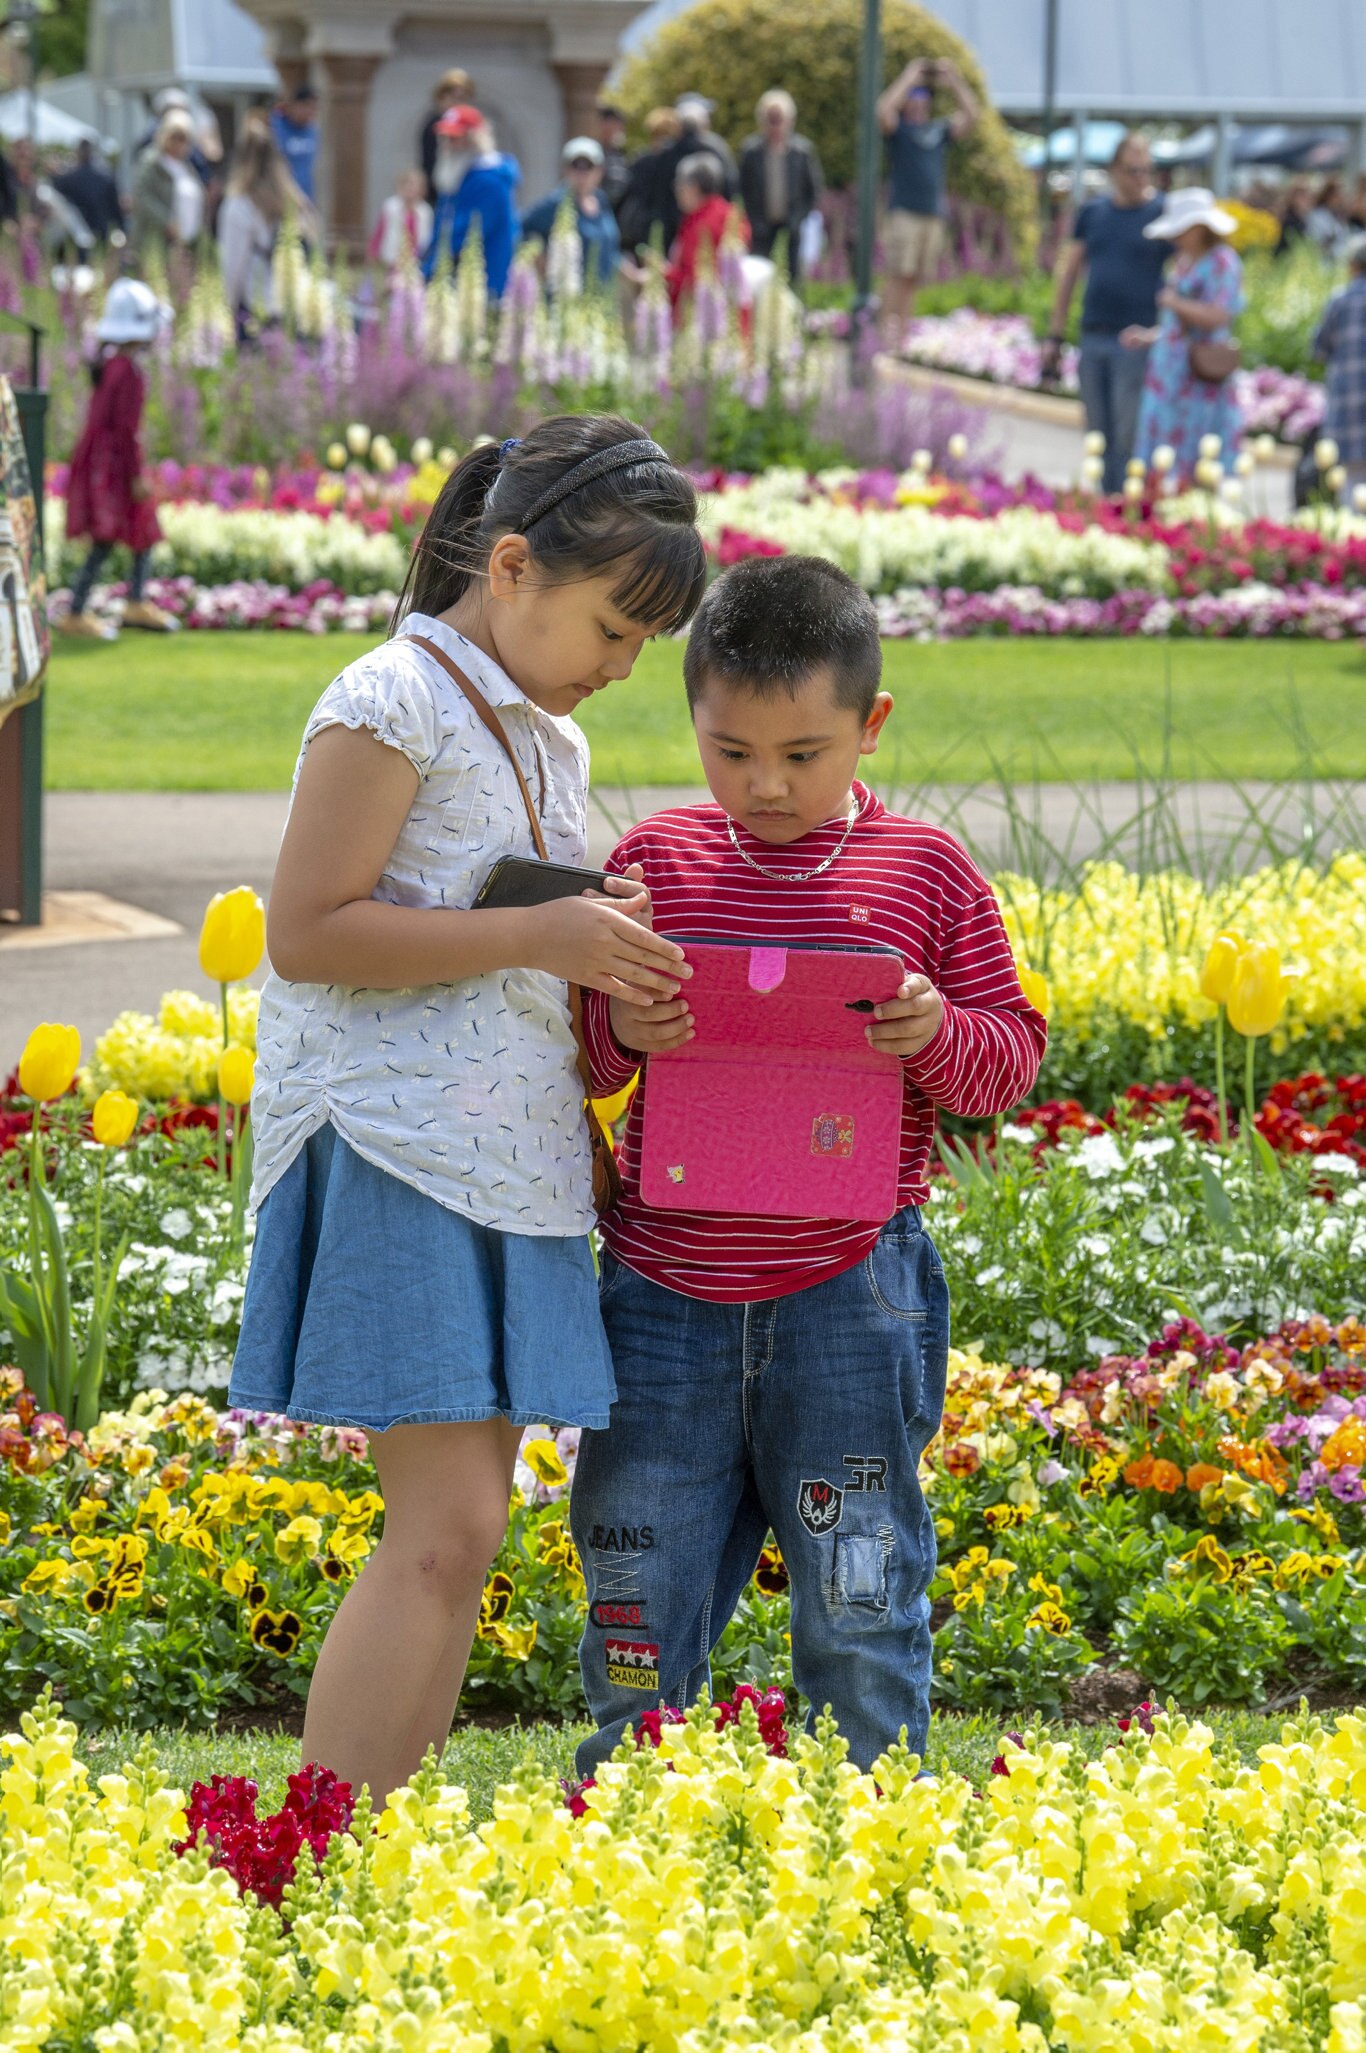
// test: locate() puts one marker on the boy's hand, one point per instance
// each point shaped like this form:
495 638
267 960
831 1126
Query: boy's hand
908 1022
650 1029
626 885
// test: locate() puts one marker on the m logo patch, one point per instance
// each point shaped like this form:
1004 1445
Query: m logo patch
819 1505
633 1664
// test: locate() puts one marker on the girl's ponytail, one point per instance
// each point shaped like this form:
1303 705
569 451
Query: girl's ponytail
448 545
591 494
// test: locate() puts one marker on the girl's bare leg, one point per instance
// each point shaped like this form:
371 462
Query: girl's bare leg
391 1665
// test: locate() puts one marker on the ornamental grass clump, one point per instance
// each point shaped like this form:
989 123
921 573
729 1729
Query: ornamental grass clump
1165 1896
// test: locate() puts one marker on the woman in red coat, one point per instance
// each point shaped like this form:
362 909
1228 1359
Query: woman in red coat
107 496
707 216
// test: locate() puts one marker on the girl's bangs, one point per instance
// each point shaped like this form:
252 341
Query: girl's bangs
664 579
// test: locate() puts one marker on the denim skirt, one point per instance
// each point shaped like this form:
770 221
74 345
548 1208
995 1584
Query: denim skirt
370 1304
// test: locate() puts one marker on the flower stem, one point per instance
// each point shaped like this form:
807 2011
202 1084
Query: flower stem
96 1261
1251 1060
222 1105
1220 1081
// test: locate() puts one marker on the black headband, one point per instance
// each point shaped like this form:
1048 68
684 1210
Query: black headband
621 456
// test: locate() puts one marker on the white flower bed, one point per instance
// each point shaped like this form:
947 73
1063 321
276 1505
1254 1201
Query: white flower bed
885 549
220 546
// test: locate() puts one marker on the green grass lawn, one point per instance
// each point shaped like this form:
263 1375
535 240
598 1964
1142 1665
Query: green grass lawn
482 1760
223 712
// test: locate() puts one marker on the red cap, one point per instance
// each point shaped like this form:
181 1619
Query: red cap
460 121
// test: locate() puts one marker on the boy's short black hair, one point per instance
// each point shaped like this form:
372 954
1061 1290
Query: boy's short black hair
769 623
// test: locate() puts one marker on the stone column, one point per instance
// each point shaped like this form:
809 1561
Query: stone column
293 74
345 117
579 86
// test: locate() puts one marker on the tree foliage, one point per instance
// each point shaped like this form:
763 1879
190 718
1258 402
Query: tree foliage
59 36
734 50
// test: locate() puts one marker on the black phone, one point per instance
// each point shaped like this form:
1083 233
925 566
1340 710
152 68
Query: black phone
518 880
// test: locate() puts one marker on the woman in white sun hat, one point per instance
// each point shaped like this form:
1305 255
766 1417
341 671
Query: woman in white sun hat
1188 392
107 496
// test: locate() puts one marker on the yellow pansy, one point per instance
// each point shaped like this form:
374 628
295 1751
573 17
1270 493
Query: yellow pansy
47 1576
542 1457
298 1540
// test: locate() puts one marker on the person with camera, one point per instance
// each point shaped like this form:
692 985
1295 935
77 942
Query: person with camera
917 154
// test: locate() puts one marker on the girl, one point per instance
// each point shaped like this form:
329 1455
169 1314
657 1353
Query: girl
107 495
404 227
421 1266
261 192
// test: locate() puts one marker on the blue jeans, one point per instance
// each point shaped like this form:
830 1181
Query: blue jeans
1111 379
805 1414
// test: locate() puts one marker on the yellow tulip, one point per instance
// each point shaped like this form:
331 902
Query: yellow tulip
1216 978
114 1118
48 1065
236 1074
1257 995
1034 985
232 939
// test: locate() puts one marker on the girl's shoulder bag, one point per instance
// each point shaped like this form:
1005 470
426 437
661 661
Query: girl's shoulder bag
606 1175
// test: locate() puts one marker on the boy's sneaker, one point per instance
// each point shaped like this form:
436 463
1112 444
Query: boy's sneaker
87 627
142 613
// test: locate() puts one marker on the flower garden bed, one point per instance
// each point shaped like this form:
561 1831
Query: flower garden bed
1003 349
714 1893
944 554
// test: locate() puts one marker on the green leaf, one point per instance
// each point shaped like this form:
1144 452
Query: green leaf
1266 1155
1218 1204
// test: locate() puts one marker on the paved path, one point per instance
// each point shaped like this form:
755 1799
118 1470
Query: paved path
168 852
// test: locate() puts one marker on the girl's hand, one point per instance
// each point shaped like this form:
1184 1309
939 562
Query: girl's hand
140 489
1169 297
650 1029
908 1022
587 941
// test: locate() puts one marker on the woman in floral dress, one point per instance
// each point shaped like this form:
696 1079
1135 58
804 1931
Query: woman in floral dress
1201 298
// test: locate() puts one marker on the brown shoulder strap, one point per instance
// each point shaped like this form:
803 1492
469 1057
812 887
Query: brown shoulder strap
485 712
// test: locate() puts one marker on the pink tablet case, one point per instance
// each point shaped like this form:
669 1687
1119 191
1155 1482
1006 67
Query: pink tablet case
777 1107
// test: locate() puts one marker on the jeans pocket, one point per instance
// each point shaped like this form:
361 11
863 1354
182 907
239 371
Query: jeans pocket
861 1562
611 1274
902 1269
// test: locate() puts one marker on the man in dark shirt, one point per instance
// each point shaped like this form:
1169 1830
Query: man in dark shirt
616 171
93 193
1123 272
917 152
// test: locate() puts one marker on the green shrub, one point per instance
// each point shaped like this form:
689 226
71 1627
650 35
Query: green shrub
734 50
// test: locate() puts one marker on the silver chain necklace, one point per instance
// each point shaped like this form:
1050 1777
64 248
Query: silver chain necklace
795 876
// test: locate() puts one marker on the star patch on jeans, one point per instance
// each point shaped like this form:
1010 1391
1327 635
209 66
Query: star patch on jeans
633 1664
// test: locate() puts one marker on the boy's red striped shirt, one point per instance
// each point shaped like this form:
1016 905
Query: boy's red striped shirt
898 882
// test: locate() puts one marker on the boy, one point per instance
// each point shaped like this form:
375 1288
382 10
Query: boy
787 1373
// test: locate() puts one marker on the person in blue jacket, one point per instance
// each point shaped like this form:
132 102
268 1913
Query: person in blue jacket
582 159
473 177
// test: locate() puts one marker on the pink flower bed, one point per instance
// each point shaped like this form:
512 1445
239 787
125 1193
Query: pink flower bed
250 602
1257 612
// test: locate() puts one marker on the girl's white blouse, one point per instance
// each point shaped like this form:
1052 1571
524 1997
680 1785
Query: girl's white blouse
468 1091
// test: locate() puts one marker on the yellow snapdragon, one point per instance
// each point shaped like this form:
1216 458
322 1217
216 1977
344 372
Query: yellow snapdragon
713 1896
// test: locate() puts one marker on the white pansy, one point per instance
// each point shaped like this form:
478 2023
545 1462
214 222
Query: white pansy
1024 1136
177 1223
